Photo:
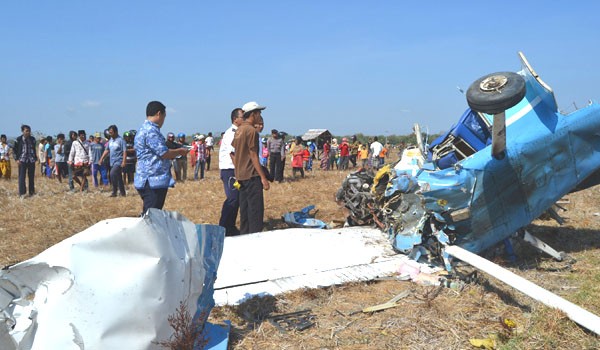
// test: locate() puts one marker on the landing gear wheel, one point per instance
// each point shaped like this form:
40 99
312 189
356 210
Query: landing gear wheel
495 93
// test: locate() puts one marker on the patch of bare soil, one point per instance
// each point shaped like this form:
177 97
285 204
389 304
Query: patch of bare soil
428 318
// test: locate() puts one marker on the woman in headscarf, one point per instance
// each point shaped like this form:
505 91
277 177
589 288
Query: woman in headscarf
333 154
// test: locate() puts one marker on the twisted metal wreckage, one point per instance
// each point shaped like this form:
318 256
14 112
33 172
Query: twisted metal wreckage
511 156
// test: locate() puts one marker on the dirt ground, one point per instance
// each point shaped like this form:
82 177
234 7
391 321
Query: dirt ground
428 318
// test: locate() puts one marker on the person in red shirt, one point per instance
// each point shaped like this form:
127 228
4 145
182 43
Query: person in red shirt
344 154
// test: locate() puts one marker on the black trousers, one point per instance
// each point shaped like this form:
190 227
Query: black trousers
152 197
252 206
282 170
29 170
275 166
353 160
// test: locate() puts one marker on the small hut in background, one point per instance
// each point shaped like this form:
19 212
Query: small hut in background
318 136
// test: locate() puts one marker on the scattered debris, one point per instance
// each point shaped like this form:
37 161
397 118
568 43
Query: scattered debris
297 321
395 301
486 343
304 218
577 314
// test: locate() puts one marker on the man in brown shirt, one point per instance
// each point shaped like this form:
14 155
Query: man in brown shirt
248 171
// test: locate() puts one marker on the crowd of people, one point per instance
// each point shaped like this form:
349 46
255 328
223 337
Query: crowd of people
329 154
108 160
153 163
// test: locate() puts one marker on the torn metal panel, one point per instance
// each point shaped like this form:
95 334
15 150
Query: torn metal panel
111 286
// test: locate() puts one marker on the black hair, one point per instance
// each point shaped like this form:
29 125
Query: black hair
154 107
1 136
298 139
71 133
25 126
81 132
49 138
375 138
274 131
115 129
60 136
210 134
234 114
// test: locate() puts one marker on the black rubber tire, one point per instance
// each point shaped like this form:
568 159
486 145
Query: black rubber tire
499 100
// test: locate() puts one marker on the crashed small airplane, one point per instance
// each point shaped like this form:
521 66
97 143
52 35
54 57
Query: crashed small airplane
507 161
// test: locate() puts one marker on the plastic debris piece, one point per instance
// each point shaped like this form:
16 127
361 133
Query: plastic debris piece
426 279
509 324
487 343
409 270
303 218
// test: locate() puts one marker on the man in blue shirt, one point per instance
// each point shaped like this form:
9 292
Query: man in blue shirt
153 171
117 152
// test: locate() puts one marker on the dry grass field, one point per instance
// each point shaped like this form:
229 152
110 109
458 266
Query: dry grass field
429 318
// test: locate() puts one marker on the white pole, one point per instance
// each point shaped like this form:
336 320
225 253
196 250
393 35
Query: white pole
575 313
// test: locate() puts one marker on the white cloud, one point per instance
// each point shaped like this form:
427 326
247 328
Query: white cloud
90 104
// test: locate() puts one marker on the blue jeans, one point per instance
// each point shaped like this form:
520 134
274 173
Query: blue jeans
229 211
199 166
96 168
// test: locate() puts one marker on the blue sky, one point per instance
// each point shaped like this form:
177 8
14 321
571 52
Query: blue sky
374 67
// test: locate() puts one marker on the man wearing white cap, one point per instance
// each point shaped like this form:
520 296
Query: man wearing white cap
248 171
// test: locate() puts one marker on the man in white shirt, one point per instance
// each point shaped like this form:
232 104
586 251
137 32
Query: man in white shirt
376 148
231 204
210 142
